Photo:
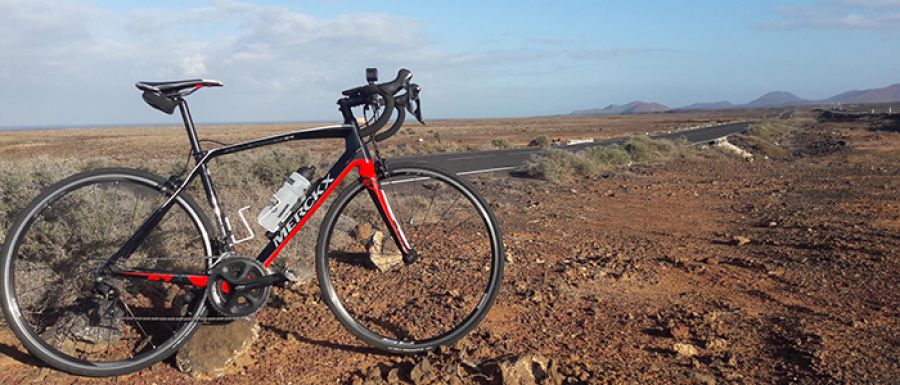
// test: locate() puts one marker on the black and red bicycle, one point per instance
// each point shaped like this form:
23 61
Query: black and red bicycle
112 270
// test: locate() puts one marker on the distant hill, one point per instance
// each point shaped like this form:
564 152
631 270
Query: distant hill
874 96
772 99
776 99
635 107
722 105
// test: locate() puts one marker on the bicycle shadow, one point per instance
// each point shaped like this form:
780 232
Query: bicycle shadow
13 352
328 344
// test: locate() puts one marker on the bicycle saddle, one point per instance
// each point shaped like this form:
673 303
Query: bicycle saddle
175 86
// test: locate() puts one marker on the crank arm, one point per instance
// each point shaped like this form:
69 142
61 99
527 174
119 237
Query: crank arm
264 281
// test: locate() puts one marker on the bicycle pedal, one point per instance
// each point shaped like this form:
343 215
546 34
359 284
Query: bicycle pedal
289 276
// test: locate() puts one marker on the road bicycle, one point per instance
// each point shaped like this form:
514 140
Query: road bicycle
111 270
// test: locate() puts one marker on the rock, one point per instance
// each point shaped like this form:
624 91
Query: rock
393 376
363 232
91 326
679 332
423 372
702 378
217 350
685 350
383 255
716 344
526 370
373 375
739 240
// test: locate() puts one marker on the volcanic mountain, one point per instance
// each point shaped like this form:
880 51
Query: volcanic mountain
635 107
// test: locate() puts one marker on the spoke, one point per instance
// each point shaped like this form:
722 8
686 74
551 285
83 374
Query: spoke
427 239
449 208
138 324
428 210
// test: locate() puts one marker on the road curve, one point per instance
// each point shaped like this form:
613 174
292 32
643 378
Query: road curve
502 160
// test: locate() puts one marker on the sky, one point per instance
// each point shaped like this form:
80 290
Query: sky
68 63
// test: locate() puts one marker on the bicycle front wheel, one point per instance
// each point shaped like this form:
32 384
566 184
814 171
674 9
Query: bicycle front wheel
432 301
58 300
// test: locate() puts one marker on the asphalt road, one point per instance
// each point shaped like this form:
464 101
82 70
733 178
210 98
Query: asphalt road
502 160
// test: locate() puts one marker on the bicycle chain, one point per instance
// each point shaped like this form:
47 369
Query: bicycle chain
183 319
172 319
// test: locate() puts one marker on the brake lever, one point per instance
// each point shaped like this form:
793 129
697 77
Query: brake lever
412 97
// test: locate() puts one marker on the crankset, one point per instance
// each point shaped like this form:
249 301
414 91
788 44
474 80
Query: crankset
239 286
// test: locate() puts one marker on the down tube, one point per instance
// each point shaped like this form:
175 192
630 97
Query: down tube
314 198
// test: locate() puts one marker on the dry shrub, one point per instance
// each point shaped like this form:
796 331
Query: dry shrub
500 143
613 155
764 137
559 166
540 141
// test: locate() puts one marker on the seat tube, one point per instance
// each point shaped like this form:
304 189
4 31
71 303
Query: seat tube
208 186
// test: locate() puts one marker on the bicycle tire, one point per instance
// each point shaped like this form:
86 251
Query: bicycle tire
374 337
14 315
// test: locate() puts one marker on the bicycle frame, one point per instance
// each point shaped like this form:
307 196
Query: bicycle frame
355 157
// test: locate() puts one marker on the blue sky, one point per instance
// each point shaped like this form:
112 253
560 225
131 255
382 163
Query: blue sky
74 63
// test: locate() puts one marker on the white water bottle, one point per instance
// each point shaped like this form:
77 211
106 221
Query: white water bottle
279 207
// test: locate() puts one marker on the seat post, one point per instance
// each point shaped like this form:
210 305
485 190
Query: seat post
224 226
191 130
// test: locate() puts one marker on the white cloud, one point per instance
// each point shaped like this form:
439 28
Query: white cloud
841 14
194 65
277 63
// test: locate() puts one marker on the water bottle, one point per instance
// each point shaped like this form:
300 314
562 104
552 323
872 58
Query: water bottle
279 207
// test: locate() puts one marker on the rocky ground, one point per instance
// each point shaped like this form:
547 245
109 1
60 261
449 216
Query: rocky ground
711 270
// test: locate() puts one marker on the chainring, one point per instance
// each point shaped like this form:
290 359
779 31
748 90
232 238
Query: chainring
233 273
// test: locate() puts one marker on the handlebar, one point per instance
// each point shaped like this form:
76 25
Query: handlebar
384 96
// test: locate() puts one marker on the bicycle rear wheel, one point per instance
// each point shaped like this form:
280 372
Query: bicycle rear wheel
51 262
432 301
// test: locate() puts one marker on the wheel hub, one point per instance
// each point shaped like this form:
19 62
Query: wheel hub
228 290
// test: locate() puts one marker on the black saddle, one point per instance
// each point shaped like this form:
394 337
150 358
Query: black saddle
169 88
164 96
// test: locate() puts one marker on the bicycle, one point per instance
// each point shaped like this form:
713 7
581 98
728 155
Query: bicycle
111 270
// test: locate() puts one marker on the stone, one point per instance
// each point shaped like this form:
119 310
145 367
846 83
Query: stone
687 350
679 332
382 254
363 232
526 370
702 378
393 376
423 372
217 350
739 240
716 344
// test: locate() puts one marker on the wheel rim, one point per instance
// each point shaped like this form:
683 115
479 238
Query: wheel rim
49 273
433 300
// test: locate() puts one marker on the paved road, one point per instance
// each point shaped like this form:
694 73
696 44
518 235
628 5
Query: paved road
501 160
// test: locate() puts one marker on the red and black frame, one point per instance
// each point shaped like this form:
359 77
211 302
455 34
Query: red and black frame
356 156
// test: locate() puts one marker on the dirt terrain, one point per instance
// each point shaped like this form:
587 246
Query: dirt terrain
708 270
168 142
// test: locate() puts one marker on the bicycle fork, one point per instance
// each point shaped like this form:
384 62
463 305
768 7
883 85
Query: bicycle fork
379 198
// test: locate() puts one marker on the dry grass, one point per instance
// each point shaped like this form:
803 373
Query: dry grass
768 138
561 166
